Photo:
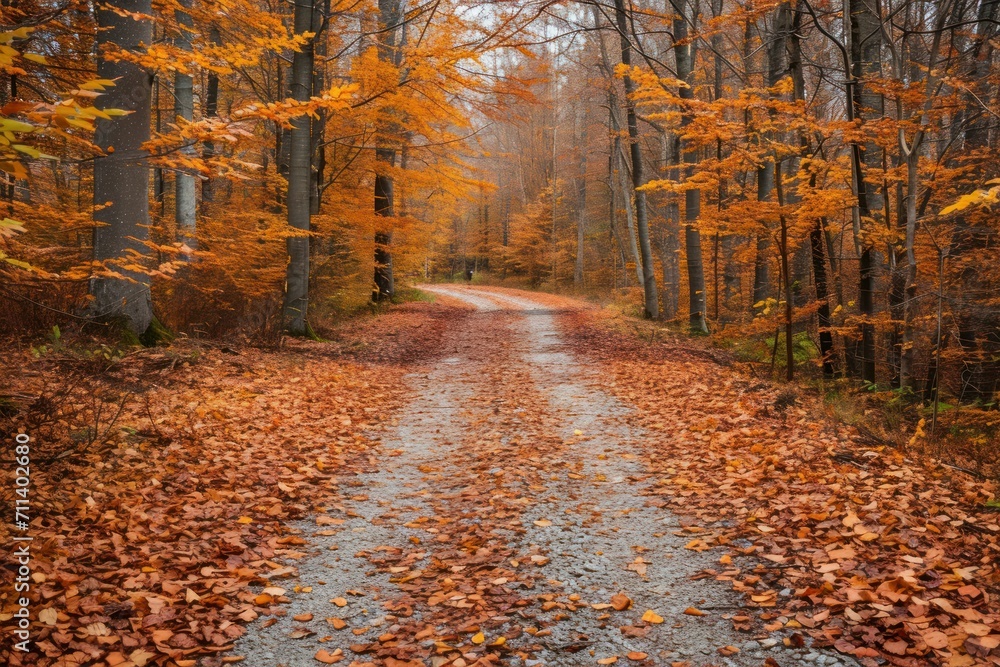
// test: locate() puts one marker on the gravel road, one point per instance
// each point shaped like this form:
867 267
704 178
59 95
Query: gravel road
502 521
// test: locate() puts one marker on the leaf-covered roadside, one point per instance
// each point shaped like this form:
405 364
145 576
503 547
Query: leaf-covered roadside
878 554
146 545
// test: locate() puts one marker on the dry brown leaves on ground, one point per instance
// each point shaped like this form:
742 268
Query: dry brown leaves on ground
147 539
878 554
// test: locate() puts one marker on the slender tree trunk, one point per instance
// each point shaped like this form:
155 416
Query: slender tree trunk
322 10
671 250
581 201
210 109
789 353
389 50
823 297
185 196
719 242
816 234
685 54
121 175
626 194
866 57
299 178
977 137
652 301
159 183
617 160
906 378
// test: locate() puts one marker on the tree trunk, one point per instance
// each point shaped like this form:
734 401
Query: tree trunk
581 202
670 230
823 297
299 178
652 301
906 378
786 278
121 175
385 286
185 199
866 58
210 109
389 50
684 54
977 136
320 24
626 193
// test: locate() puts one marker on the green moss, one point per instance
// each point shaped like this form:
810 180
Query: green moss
155 334
410 294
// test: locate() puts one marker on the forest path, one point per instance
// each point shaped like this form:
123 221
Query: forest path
502 518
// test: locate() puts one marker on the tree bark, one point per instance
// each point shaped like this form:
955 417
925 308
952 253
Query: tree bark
977 137
866 58
121 175
320 24
626 193
823 297
786 278
581 201
185 196
390 23
299 178
651 299
670 242
684 54
210 109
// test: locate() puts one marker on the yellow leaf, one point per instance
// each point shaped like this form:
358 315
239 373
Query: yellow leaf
652 617
244 520
27 150
478 638
9 125
140 657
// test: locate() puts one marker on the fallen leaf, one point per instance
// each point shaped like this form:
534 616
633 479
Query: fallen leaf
620 602
652 617
328 658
